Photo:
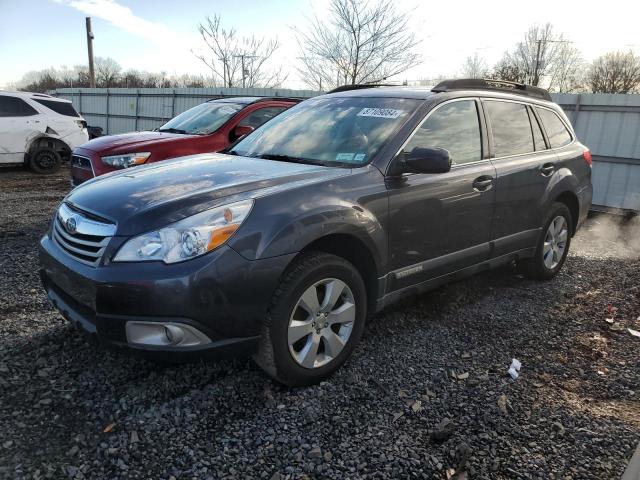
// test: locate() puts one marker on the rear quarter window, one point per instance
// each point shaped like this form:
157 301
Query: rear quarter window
538 138
63 108
557 132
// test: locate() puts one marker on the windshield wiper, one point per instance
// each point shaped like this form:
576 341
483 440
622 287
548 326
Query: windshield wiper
288 158
172 130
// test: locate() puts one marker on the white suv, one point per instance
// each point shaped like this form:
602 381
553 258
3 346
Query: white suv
38 130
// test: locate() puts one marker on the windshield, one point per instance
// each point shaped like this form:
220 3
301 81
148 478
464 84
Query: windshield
334 131
203 119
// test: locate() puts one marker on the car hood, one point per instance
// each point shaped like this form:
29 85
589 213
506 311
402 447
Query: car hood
151 196
133 142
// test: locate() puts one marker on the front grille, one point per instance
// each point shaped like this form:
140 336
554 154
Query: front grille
87 241
81 162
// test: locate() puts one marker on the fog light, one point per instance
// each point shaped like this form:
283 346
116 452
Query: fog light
169 334
174 333
164 334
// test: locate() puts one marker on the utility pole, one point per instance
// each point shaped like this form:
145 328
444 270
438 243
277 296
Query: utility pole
535 71
224 71
242 56
536 78
243 70
92 73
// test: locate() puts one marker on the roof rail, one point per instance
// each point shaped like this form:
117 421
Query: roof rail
23 92
346 88
494 85
271 99
258 99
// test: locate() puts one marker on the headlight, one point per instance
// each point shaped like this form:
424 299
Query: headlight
126 160
188 238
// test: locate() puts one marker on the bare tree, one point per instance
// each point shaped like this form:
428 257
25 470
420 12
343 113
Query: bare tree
238 61
509 70
475 67
78 77
191 81
82 79
41 81
567 73
107 72
536 54
615 72
533 59
430 82
362 41
68 76
132 78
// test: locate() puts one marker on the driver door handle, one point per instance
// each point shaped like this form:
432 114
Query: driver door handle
483 183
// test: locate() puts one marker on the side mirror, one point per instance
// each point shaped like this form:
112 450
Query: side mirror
241 131
428 160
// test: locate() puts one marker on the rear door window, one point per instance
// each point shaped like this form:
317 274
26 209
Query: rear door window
511 128
15 107
260 116
454 127
63 108
557 132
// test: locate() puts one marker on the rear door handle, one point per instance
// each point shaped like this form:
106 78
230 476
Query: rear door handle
483 183
547 169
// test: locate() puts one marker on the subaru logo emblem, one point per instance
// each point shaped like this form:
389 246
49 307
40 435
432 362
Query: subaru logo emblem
71 225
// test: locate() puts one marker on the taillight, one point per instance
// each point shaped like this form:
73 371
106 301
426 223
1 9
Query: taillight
587 157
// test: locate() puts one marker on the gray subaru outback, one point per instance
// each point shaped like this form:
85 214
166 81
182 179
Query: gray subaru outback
282 246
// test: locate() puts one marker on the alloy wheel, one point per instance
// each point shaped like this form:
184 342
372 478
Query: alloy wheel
555 242
321 323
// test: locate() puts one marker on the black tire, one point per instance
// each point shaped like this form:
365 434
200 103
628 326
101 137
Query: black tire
535 267
45 161
274 356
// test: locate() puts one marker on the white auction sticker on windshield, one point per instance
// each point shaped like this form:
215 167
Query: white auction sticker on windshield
380 112
351 157
345 157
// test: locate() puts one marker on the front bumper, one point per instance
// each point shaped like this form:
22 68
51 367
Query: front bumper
220 294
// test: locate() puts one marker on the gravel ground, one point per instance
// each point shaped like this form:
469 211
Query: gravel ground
426 394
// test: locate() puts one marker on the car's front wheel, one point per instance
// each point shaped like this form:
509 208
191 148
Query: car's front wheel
316 318
553 244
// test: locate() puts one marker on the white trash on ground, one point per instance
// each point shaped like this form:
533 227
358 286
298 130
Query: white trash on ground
514 369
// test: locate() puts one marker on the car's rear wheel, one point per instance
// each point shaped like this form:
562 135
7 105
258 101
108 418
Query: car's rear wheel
45 161
316 318
553 244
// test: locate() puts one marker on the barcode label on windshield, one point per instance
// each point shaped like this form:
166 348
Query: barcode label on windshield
380 112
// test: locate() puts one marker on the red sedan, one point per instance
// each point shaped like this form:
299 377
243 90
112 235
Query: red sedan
209 127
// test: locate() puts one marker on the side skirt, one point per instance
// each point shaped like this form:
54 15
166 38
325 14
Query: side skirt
435 282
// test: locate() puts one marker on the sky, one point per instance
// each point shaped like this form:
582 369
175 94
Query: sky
162 36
